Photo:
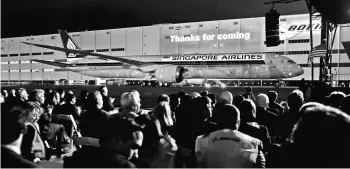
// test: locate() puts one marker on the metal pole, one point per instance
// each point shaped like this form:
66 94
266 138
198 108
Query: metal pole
324 32
311 40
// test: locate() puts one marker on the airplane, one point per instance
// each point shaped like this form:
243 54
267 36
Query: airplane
174 68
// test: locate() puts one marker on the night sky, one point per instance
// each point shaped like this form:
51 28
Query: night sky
39 17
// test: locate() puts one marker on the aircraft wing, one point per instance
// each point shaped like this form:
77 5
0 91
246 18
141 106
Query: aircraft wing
62 65
128 61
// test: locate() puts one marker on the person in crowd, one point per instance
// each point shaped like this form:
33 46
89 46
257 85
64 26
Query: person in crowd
33 147
47 92
185 156
290 118
249 94
107 101
11 139
130 105
53 100
69 108
163 98
10 100
93 120
62 95
346 104
137 96
4 93
83 99
204 93
181 94
249 125
335 99
318 127
2 99
22 97
264 116
237 100
213 99
174 102
224 98
121 140
227 147
273 95
54 133
201 116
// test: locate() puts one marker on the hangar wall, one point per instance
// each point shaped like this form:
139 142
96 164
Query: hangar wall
223 36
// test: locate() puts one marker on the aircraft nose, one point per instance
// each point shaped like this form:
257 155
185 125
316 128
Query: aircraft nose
300 71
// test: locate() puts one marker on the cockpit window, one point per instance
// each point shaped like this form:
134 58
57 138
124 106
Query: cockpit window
291 62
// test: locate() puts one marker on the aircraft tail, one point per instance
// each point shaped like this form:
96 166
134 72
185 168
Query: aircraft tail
69 43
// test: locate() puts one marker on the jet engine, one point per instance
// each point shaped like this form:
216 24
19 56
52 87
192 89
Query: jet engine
172 74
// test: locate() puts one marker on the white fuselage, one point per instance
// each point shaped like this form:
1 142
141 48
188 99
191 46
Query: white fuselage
272 66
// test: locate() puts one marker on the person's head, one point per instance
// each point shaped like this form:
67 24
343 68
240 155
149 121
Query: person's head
130 102
163 98
295 100
229 117
61 92
162 113
47 91
37 95
13 125
346 104
225 97
248 110
22 94
103 90
262 100
4 93
84 94
272 95
95 100
181 93
335 99
122 135
202 107
321 125
237 100
195 95
70 98
13 92
34 111
204 93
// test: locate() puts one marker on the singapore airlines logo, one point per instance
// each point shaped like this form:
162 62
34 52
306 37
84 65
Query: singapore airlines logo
70 45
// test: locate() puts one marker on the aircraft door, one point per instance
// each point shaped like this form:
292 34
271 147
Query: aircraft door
272 62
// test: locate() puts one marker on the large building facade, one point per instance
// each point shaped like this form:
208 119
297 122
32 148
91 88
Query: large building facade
224 36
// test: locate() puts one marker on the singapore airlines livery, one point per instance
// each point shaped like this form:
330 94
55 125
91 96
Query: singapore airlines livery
175 68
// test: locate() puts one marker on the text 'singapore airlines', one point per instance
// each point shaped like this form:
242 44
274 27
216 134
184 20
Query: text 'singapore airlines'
222 57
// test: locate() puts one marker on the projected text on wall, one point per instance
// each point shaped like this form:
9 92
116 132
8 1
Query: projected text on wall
209 37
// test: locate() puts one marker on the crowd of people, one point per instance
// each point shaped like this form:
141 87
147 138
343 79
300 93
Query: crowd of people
183 130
